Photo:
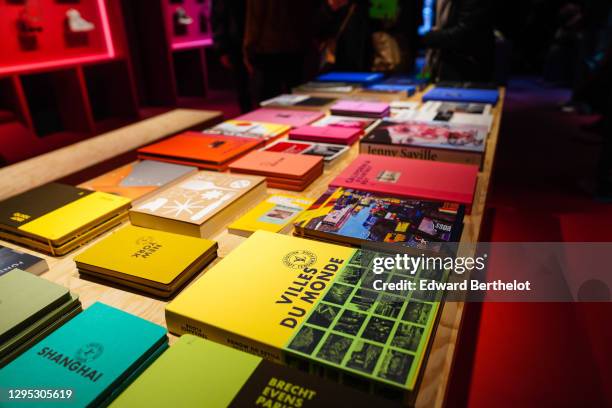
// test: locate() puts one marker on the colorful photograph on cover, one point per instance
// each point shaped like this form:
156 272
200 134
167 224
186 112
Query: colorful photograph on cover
345 122
461 107
327 151
279 214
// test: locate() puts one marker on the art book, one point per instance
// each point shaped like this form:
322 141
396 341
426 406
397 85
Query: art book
146 260
292 118
232 379
298 101
261 130
467 95
313 304
355 217
360 108
351 77
13 259
57 218
475 115
137 180
289 146
410 178
274 214
326 134
351 122
412 139
94 356
200 205
325 88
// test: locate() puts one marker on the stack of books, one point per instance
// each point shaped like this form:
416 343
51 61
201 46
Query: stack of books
329 152
410 178
288 117
466 95
146 260
296 101
206 151
326 134
139 179
355 217
89 360
282 170
13 259
411 139
57 218
201 205
313 304
274 214
361 108
262 130
31 308
476 115
197 372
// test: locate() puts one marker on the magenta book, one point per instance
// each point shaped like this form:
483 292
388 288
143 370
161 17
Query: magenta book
326 134
291 117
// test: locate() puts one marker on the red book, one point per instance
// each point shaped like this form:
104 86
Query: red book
411 178
326 134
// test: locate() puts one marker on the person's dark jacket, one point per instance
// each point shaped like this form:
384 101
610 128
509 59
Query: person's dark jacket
466 43
227 20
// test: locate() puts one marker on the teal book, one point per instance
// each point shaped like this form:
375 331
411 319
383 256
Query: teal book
89 360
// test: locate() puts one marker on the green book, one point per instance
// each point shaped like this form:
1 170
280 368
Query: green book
199 373
91 359
24 299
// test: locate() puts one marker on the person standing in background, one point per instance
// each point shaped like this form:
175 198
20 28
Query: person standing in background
279 37
228 21
462 45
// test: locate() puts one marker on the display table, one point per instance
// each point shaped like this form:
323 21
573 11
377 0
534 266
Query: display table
63 271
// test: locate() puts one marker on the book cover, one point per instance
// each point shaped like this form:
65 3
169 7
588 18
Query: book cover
309 302
475 115
377 109
232 378
326 134
297 100
404 89
207 151
488 96
284 165
354 77
326 87
93 355
197 201
293 117
246 128
286 146
13 259
136 180
274 214
354 217
145 255
351 122
329 152
410 178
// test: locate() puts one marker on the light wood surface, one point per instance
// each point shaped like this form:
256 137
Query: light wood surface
439 363
62 162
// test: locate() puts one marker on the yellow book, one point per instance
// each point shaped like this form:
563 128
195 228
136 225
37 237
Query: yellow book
274 214
148 260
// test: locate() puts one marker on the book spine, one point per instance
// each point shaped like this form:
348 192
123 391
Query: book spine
179 325
422 153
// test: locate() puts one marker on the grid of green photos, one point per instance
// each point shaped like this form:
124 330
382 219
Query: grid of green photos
374 334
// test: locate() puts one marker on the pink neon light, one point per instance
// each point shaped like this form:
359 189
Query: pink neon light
189 44
108 40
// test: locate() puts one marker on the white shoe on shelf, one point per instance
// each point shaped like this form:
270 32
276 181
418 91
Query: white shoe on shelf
76 23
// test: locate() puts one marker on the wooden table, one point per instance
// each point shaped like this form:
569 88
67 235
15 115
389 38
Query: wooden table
437 367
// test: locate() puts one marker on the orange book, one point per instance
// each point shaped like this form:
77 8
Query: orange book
277 164
206 151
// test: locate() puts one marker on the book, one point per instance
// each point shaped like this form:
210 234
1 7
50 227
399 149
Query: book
329 152
201 205
282 170
274 214
231 379
410 178
261 130
353 122
289 146
325 88
354 217
360 108
488 96
292 117
411 139
95 355
326 134
475 115
57 218
137 180
206 151
146 259
388 92
288 101
13 259
29 307
351 77
313 304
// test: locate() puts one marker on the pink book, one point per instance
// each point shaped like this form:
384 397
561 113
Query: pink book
289 117
326 134
361 107
410 178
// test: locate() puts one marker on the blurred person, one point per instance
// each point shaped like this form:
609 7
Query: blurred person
228 21
279 37
462 45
